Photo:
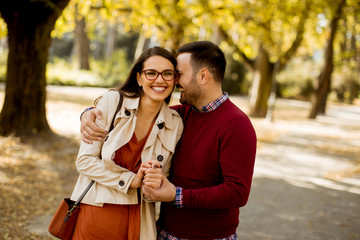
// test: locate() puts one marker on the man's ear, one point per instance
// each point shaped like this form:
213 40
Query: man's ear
203 76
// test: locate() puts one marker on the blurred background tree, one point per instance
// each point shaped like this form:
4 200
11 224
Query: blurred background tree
273 47
323 85
29 24
264 34
346 81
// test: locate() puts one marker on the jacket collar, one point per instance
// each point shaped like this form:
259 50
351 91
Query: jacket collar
164 117
131 103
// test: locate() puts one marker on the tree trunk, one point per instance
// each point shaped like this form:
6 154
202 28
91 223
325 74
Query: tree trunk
98 46
142 44
81 46
353 44
84 45
177 36
261 86
324 79
110 41
29 38
344 46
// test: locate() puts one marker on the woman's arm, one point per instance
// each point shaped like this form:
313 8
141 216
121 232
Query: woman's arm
89 162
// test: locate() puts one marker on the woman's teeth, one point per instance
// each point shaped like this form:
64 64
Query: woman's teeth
158 88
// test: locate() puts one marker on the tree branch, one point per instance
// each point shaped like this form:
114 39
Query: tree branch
299 37
158 10
249 62
117 9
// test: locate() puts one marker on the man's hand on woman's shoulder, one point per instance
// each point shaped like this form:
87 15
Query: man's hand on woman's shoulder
89 130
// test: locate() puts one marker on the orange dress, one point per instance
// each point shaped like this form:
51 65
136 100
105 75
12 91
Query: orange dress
114 221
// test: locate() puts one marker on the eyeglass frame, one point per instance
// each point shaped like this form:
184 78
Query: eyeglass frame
159 73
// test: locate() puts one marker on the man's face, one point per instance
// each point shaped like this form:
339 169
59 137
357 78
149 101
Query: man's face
190 90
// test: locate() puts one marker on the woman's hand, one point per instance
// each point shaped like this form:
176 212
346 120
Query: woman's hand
137 181
153 168
153 175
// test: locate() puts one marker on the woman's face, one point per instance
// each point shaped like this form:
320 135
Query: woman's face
157 89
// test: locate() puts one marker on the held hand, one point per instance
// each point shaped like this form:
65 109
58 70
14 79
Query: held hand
89 130
153 177
166 192
152 163
137 181
153 174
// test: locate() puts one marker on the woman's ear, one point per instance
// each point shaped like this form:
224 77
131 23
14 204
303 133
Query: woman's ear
139 80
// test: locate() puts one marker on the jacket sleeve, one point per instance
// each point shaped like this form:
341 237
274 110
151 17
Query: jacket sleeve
237 158
88 161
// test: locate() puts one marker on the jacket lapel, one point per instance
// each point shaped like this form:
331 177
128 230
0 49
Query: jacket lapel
163 123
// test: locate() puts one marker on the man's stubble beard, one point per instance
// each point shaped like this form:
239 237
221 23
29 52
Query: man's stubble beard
192 95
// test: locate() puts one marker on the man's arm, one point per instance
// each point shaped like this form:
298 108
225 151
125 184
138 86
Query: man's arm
89 130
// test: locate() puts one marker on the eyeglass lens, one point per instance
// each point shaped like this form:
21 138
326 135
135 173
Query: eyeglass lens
167 75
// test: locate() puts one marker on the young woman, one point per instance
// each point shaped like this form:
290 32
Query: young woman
143 139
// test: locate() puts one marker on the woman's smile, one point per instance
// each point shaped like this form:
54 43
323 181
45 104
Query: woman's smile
159 89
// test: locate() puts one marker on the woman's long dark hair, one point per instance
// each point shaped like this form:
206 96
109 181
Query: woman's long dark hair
130 88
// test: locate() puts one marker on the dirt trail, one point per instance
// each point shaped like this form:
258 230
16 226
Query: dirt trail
306 182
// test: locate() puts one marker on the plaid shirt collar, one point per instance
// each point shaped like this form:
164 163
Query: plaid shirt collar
215 104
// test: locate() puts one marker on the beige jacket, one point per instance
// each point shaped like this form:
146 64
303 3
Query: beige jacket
112 181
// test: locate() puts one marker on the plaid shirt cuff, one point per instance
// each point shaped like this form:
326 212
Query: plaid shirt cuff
178 198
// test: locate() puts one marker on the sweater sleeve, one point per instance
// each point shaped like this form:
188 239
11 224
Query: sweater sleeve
182 109
236 158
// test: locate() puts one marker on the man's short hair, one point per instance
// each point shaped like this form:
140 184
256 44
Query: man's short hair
206 54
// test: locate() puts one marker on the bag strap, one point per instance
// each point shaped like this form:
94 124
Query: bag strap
117 110
84 193
111 128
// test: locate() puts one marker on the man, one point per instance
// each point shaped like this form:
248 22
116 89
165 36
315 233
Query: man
213 163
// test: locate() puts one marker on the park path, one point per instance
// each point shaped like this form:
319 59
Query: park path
303 187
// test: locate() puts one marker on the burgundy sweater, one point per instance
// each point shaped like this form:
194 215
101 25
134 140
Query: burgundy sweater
213 163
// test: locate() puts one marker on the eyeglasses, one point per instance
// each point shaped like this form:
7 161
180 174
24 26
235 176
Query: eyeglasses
152 75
